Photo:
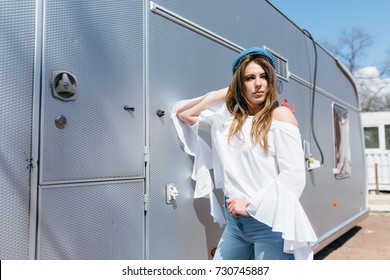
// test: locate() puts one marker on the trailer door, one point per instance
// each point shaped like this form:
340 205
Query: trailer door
92 109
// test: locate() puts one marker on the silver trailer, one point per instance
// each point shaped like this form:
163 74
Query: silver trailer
89 158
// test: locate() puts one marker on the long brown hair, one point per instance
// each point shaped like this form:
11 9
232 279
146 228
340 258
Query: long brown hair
238 105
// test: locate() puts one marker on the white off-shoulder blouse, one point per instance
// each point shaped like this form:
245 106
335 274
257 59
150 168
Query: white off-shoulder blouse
272 183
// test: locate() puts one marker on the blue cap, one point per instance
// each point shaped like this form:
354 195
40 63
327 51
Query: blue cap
257 51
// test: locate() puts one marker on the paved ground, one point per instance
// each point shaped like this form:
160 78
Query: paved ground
369 240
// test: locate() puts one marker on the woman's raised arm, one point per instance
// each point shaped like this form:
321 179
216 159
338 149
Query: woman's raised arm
190 112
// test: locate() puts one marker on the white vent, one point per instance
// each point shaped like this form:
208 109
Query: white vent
281 65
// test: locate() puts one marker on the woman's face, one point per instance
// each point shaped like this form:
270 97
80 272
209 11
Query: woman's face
256 86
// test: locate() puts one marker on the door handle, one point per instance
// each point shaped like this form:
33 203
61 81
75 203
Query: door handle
64 85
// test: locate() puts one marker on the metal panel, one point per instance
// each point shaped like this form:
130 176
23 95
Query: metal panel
100 43
92 222
17 28
182 64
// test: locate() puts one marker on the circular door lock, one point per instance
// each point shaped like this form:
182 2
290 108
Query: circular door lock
61 122
64 85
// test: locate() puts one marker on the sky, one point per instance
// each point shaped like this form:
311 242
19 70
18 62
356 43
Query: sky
325 19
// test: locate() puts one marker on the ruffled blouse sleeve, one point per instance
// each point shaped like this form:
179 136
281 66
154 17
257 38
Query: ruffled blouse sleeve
277 204
195 146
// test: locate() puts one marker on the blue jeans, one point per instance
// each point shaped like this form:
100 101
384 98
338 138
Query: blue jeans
245 238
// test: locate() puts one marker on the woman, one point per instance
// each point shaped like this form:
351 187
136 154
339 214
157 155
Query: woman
257 160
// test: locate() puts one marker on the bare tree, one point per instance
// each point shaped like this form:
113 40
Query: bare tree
374 89
386 66
374 92
351 47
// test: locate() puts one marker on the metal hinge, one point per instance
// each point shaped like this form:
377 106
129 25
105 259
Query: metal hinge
30 164
146 154
146 202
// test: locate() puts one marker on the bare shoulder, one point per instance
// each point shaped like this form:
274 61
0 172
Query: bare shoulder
284 114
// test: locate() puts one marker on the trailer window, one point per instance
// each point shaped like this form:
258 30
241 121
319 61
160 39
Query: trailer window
341 141
371 137
387 136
